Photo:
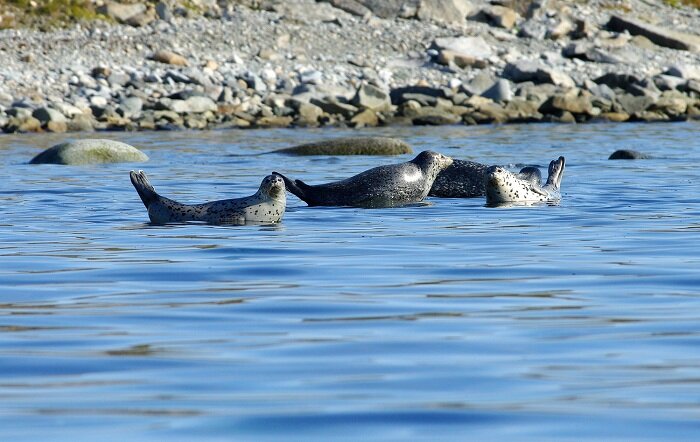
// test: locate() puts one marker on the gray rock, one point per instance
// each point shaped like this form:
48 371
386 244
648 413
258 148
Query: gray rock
627 154
532 29
19 112
334 107
631 104
658 35
47 114
390 8
436 118
473 47
588 52
524 70
687 72
371 97
82 152
560 29
499 16
118 78
121 12
177 77
352 146
255 82
614 80
163 11
195 105
444 11
131 106
480 83
669 82
500 91
351 6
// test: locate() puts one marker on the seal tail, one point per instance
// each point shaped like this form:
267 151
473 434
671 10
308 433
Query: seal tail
143 187
297 187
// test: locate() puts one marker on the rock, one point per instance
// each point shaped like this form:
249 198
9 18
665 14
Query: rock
46 114
352 6
309 114
352 146
193 105
658 35
588 52
500 91
616 117
366 118
499 16
672 103
390 9
687 72
444 11
80 123
131 106
93 151
274 121
163 11
560 30
436 118
570 102
462 51
22 124
631 104
98 101
371 97
522 110
524 70
627 154
56 126
311 76
121 12
669 82
532 29
168 57
483 81
621 81
143 19
334 107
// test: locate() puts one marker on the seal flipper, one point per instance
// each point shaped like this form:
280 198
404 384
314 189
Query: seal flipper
143 187
297 187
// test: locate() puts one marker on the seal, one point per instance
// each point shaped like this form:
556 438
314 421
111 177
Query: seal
383 186
267 205
465 179
503 186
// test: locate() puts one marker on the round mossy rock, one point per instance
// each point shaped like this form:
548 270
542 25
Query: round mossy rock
627 154
352 146
82 152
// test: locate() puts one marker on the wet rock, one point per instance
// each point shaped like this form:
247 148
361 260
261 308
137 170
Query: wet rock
436 118
352 146
615 117
169 57
274 121
658 35
82 152
627 154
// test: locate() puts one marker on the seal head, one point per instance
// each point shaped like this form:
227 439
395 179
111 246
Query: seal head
383 186
503 186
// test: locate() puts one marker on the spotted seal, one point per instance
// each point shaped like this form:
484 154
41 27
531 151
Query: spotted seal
465 179
503 186
267 205
383 186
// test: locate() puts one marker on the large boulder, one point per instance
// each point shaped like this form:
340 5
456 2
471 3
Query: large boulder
372 97
525 70
462 51
93 151
657 34
352 146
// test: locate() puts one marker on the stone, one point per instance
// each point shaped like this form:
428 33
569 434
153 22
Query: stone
522 110
672 103
570 102
163 11
500 91
80 123
366 118
631 104
532 29
274 121
334 107
483 81
352 7
436 118
94 151
143 19
615 117
195 105
309 114
121 12
47 114
560 30
658 35
352 146
669 82
463 51
444 11
499 16
524 70
98 101
371 97
628 154
614 80
56 126
169 57
131 106
686 72
22 125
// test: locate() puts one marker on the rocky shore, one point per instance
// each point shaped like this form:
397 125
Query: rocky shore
306 63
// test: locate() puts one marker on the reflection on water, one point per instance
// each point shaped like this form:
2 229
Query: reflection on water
569 322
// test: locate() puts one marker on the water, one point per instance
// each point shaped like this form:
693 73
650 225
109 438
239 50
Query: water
447 321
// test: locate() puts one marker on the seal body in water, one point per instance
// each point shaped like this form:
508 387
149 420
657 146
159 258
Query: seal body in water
465 179
503 186
383 186
267 205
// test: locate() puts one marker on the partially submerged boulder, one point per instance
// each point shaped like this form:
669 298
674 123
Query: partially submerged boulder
352 146
96 151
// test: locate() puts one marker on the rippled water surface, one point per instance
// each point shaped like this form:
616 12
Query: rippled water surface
442 321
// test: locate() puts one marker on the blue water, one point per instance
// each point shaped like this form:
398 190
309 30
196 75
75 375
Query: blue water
443 321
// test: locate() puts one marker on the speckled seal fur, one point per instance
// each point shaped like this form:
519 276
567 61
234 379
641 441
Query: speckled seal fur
267 205
503 186
465 179
383 186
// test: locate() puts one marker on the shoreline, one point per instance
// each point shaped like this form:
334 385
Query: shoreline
302 63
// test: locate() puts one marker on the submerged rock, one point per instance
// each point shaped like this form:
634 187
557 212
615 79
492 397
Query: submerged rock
93 151
352 146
